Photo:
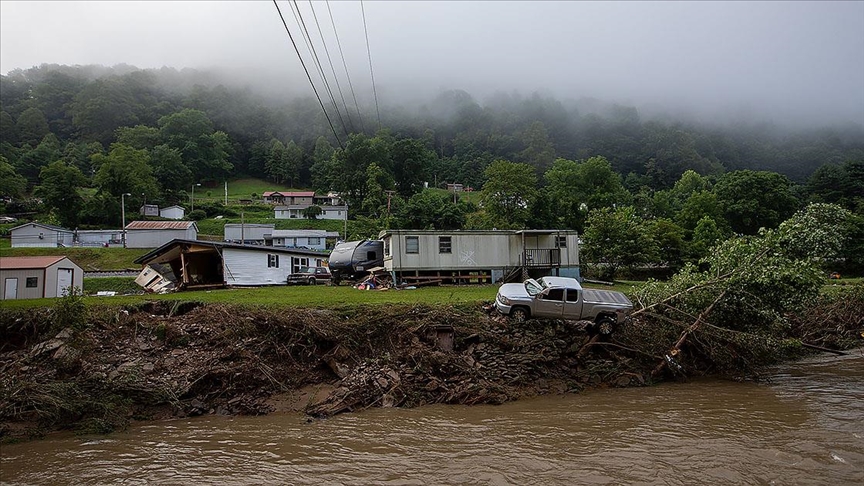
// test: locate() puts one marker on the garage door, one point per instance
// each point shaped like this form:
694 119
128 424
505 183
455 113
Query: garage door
64 281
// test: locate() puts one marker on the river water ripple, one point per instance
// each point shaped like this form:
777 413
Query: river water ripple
804 426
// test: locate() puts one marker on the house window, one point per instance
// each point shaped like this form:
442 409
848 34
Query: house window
562 242
445 244
412 244
32 282
297 263
272 261
314 241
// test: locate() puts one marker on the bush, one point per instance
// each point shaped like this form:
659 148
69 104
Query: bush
70 311
197 215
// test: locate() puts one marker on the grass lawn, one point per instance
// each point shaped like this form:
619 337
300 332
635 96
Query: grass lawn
320 296
90 259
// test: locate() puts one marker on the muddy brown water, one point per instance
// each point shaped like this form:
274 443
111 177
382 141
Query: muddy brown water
804 426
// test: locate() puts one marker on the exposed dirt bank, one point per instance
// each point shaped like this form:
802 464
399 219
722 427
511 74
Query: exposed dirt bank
173 360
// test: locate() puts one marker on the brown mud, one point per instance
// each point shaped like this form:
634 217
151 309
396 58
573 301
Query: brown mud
163 360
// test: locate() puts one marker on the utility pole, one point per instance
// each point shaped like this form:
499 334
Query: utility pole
123 213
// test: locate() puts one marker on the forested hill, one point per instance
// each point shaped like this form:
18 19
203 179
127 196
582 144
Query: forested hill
80 105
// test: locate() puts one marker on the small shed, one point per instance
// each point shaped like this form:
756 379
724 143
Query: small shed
152 234
36 277
149 210
173 212
210 264
39 235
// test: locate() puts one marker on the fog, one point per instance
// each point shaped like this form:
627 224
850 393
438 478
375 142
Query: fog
793 63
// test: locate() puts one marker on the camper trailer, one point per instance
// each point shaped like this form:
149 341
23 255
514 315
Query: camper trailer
351 260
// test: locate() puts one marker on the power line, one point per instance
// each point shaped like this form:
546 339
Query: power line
372 73
345 65
330 61
332 128
299 16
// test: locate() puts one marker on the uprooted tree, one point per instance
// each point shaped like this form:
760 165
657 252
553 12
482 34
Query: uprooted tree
732 310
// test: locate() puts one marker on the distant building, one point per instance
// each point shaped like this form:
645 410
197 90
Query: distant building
36 277
455 187
151 234
149 210
311 239
296 212
251 234
38 235
98 238
300 198
172 212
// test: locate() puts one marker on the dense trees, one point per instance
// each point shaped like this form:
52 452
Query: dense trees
540 162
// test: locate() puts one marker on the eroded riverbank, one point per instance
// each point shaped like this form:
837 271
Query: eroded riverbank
175 360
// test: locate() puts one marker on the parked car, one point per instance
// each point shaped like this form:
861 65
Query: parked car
7 219
310 275
564 298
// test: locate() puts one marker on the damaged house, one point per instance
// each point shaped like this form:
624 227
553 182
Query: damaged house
198 264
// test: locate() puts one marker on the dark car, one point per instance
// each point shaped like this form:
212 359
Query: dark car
310 275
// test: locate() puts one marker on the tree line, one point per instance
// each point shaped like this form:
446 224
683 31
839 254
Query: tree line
658 191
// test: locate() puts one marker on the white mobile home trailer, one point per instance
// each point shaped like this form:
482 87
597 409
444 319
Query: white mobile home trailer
483 256
204 264
250 234
38 235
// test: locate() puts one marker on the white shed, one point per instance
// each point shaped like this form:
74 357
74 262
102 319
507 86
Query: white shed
35 277
172 212
38 235
152 234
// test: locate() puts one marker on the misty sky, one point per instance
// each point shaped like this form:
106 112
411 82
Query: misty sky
773 60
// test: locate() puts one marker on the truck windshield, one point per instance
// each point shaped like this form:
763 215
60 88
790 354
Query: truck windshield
533 287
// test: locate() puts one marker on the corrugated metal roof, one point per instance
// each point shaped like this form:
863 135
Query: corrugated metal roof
8 263
159 225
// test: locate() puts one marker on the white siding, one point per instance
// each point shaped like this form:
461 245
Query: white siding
250 232
250 267
467 252
36 236
173 212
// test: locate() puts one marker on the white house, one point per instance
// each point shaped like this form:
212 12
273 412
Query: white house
35 277
480 255
296 212
312 239
254 234
149 210
172 212
151 234
39 235
208 264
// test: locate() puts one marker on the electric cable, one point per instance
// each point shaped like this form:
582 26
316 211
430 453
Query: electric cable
332 69
372 73
330 122
345 65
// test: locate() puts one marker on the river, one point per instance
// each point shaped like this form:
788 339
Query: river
805 425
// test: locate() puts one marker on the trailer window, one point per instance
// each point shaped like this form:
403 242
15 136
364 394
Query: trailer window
412 244
562 242
32 282
445 244
272 261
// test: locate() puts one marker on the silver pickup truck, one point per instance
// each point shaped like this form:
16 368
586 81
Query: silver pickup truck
563 298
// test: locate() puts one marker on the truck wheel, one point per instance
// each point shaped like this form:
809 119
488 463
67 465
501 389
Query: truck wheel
519 314
604 326
312 281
